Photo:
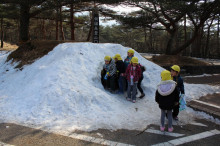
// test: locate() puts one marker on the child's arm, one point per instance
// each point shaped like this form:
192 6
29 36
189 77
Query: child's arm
112 69
181 85
156 97
139 72
176 95
127 71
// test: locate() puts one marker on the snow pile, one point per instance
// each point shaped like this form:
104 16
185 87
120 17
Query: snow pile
62 91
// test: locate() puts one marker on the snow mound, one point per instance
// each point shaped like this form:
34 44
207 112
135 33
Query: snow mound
62 91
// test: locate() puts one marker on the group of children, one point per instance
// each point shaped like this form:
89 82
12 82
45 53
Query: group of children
128 75
170 92
123 75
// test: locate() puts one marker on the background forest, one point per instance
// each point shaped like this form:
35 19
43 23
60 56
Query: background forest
186 27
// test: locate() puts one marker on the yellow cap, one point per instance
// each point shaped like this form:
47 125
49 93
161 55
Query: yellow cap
117 56
134 60
131 51
107 58
165 75
176 68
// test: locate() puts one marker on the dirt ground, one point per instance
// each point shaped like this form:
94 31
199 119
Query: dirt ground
167 60
8 47
212 98
28 52
210 79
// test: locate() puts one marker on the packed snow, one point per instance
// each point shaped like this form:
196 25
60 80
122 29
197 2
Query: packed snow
62 92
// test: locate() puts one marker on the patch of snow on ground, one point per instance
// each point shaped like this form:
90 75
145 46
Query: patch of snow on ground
62 92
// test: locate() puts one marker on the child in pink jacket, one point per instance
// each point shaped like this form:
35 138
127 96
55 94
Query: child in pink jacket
133 74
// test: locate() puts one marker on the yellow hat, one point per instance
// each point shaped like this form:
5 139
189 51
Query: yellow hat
107 58
117 56
131 51
165 75
176 68
134 60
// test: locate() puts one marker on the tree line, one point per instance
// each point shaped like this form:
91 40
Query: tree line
188 27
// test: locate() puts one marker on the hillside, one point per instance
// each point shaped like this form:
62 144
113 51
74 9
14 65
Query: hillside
62 91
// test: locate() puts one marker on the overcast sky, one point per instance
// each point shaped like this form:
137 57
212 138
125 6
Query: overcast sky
120 9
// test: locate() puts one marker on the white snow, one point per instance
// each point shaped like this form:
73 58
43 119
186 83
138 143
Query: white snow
62 92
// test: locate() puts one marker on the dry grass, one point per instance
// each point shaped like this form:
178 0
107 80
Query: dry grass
8 47
27 53
168 60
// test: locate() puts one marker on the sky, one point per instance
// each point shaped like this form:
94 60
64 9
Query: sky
120 9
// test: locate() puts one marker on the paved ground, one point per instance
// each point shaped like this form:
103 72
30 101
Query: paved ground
210 79
209 104
200 133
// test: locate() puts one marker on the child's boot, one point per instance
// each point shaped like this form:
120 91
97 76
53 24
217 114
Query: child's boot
142 95
170 129
162 128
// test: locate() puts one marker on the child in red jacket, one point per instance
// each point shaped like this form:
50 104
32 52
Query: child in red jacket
133 74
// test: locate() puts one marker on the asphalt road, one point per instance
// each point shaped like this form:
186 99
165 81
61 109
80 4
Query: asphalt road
200 133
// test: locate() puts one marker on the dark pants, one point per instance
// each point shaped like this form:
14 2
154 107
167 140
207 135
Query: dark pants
139 85
121 84
168 114
176 110
110 82
131 91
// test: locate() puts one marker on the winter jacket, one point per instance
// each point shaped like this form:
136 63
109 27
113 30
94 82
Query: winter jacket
136 73
167 95
120 66
111 68
127 61
180 85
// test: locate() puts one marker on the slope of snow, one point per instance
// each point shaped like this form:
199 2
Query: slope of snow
62 92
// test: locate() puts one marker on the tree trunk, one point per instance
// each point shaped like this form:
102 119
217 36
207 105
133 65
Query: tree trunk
2 34
208 38
145 36
151 38
91 27
24 22
218 48
185 33
57 25
198 48
185 45
171 42
61 24
72 23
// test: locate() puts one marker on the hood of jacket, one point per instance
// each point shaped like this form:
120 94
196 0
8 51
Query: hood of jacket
166 87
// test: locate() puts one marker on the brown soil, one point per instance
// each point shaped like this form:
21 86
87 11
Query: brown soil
168 60
211 80
32 50
213 99
8 47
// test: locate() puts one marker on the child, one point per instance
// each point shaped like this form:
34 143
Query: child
127 61
109 77
166 96
140 80
133 74
129 57
175 73
121 70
